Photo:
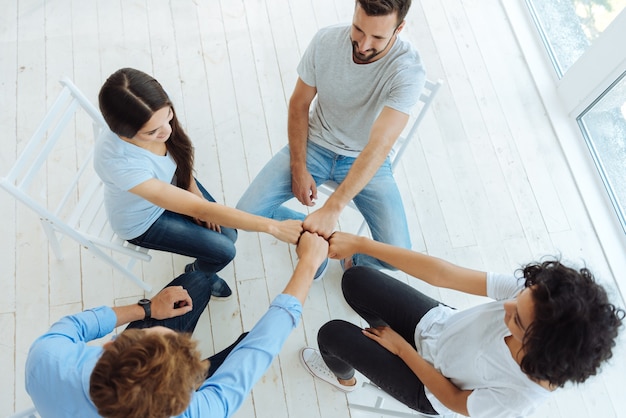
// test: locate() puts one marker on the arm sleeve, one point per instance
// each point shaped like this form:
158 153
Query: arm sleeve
503 286
224 392
499 403
306 67
84 326
406 89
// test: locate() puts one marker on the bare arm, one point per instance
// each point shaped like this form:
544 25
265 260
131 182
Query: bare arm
184 202
302 184
432 270
312 250
385 131
440 386
193 188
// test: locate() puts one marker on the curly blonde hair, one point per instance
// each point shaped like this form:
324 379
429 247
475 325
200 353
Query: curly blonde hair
146 375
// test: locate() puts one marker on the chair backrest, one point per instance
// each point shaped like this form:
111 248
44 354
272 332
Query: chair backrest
54 177
426 99
27 413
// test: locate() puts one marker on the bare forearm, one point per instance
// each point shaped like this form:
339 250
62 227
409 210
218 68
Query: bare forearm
439 385
363 169
128 313
301 280
297 131
432 270
234 218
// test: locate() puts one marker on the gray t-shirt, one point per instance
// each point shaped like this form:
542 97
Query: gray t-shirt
351 96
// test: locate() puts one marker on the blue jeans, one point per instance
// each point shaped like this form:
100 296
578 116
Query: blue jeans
379 202
380 300
199 289
179 234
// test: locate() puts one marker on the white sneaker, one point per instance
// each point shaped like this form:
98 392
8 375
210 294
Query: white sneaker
312 361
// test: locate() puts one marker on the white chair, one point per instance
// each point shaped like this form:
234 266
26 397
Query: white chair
79 211
426 98
378 409
27 413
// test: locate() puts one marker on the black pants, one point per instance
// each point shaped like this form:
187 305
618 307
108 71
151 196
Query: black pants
380 300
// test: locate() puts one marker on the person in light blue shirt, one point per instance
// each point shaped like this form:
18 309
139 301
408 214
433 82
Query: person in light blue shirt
152 199
153 368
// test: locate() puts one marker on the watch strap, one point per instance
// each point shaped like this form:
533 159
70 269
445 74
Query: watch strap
145 304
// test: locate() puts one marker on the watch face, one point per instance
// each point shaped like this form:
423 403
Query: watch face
144 301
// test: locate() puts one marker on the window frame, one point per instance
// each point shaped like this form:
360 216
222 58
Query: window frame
567 98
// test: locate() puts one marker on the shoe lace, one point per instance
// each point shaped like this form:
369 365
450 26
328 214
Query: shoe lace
316 362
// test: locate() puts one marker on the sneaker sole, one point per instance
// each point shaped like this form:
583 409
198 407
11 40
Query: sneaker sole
336 385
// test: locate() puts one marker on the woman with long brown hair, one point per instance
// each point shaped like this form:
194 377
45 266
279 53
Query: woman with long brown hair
151 196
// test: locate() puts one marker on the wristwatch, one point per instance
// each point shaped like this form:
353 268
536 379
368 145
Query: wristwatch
145 304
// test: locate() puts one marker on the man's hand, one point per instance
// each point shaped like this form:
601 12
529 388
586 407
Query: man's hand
171 302
303 186
323 221
312 248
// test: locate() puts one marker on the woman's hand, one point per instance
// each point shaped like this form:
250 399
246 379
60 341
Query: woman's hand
287 231
388 338
342 245
208 225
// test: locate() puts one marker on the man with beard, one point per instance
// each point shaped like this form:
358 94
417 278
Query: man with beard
362 80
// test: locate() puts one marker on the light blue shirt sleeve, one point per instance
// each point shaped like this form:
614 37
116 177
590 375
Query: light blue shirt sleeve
223 393
60 363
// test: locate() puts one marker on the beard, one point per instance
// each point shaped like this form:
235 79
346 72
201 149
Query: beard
363 58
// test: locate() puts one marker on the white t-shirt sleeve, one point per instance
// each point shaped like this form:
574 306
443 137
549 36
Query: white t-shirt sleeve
493 403
503 286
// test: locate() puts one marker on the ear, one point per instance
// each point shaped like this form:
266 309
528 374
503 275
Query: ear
400 27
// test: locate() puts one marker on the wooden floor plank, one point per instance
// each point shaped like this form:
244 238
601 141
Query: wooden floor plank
485 184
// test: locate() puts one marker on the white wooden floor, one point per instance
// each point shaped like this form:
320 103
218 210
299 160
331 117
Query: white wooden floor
486 185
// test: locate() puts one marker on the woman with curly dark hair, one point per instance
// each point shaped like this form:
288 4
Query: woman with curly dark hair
499 359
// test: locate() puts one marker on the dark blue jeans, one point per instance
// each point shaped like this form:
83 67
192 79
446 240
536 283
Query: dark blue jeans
179 234
380 300
199 289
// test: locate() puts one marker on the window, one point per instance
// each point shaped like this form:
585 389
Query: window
603 125
583 41
569 27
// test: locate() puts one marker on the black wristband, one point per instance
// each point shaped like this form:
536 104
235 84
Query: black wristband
145 304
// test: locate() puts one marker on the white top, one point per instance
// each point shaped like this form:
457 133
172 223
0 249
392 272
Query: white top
122 166
351 96
468 347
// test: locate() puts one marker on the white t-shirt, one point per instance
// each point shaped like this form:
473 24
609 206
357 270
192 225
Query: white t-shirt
468 347
351 96
122 166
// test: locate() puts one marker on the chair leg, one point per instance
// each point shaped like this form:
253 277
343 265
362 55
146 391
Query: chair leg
129 274
52 239
378 406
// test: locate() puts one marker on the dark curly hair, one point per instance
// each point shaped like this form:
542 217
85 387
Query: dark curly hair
128 99
386 7
575 326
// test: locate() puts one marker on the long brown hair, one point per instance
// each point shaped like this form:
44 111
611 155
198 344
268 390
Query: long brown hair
128 99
